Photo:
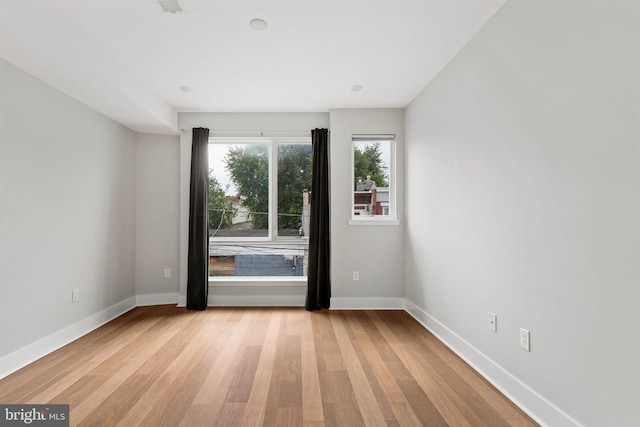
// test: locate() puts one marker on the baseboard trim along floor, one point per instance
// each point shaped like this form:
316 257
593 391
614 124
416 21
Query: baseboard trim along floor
535 405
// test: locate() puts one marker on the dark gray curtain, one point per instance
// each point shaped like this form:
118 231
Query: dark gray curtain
197 275
319 282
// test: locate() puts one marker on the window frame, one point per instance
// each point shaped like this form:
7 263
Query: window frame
392 218
272 239
273 143
248 141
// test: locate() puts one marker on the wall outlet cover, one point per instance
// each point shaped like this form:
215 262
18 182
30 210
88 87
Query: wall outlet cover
493 322
525 338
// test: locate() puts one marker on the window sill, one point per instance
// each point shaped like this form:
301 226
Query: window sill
234 281
371 221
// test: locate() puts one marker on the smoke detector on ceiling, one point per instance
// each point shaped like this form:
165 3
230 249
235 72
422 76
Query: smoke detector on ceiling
171 6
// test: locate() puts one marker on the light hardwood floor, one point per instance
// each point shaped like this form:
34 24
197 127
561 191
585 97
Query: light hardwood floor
166 366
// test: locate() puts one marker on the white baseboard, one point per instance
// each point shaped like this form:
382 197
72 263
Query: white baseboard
249 301
34 351
539 408
256 301
156 299
535 405
349 303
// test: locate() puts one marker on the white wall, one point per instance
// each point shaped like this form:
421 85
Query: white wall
231 293
375 251
67 211
157 217
523 199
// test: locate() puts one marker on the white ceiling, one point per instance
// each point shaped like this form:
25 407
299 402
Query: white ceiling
127 58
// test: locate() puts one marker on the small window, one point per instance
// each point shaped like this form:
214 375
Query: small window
373 177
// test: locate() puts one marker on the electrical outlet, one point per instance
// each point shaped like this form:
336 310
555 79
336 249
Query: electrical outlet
75 295
167 273
356 276
525 339
493 322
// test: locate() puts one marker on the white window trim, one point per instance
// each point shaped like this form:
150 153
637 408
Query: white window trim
376 222
275 281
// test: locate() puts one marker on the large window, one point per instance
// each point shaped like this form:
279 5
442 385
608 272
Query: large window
259 206
373 177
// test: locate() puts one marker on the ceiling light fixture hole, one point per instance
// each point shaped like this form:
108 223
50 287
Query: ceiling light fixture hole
258 24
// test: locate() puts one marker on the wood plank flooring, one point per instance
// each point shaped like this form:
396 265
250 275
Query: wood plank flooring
166 366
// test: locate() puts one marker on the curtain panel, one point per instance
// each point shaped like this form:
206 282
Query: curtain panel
319 281
198 264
